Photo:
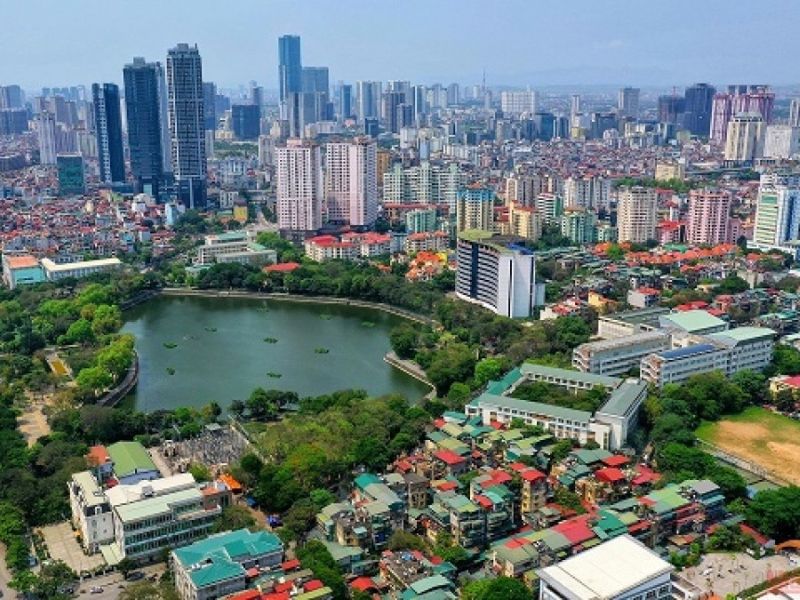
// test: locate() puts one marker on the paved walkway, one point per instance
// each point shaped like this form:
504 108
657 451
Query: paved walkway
32 423
5 575
62 545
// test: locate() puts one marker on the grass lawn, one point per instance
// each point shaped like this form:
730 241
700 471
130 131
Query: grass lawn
761 437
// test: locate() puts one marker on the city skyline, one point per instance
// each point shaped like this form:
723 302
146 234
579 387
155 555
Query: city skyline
626 44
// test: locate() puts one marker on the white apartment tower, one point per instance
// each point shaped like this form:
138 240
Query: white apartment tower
47 138
636 214
517 103
300 186
778 213
745 140
351 181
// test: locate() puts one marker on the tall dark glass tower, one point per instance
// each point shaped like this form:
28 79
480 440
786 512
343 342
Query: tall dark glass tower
210 105
699 100
186 124
290 69
143 109
108 124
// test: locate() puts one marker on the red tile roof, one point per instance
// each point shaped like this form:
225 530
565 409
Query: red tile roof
609 475
314 584
362 584
448 457
290 565
286 267
617 460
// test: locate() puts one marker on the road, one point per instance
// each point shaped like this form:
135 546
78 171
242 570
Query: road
113 584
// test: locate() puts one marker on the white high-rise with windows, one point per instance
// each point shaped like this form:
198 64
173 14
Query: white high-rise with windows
517 103
778 213
745 140
300 186
636 214
628 102
47 138
351 181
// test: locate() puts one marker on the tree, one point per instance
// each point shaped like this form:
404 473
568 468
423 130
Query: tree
237 408
200 472
454 363
785 361
403 540
261 405
488 369
125 566
94 380
774 513
503 587
234 517
404 341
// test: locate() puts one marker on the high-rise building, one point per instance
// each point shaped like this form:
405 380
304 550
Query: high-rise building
590 191
186 124
628 103
574 106
475 209
794 113
545 123
777 223
351 182
419 99
71 179
256 94
11 96
453 94
368 97
497 274
108 126
210 106
517 103
578 225
290 69
143 96
636 214
315 79
709 217
300 186
782 142
754 99
744 142
390 109
13 121
345 101
246 121
698 102
424 184
46 127
671 109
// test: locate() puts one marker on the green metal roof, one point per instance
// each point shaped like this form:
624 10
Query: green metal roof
218 557
505 382
577 376
158 505
694 320
365 479
622 398
744 334
537 408
130 458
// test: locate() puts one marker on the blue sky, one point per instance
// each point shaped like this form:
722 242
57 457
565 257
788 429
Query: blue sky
518 42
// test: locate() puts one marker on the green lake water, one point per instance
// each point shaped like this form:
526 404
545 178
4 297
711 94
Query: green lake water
220 352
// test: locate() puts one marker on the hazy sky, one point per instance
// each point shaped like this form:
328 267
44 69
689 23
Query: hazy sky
518 42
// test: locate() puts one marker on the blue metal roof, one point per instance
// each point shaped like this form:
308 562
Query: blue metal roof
688 351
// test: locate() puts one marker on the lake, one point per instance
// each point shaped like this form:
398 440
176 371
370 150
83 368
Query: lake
193 350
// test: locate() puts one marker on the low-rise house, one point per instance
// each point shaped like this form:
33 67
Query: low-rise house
219 565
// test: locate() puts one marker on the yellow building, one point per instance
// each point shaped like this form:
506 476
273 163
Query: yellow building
240 212
524 221
670 170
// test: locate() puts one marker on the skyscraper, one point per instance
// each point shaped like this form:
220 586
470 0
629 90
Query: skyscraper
744 141
777 213
475 209
671 109
636 214
108 126
209 106
143 110
794 113
71 179
345 101
246 121
351 181
390 108
290 70
11 96
315 79
516 103
368 95
628 102
698 101
709 217
300 186
47 138
739 99
186 124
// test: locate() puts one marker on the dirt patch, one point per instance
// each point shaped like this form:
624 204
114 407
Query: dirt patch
756 443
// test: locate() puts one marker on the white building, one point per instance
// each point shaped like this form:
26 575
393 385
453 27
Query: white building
91 511
619 569
636 214
54 271
782 142
351 181
47 138
517 103
628 102
745 140
497 276
618 355
777 213
591 192
300 186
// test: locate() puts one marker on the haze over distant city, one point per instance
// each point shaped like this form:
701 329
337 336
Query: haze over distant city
517 42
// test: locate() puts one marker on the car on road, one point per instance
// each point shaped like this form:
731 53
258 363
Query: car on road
96 590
